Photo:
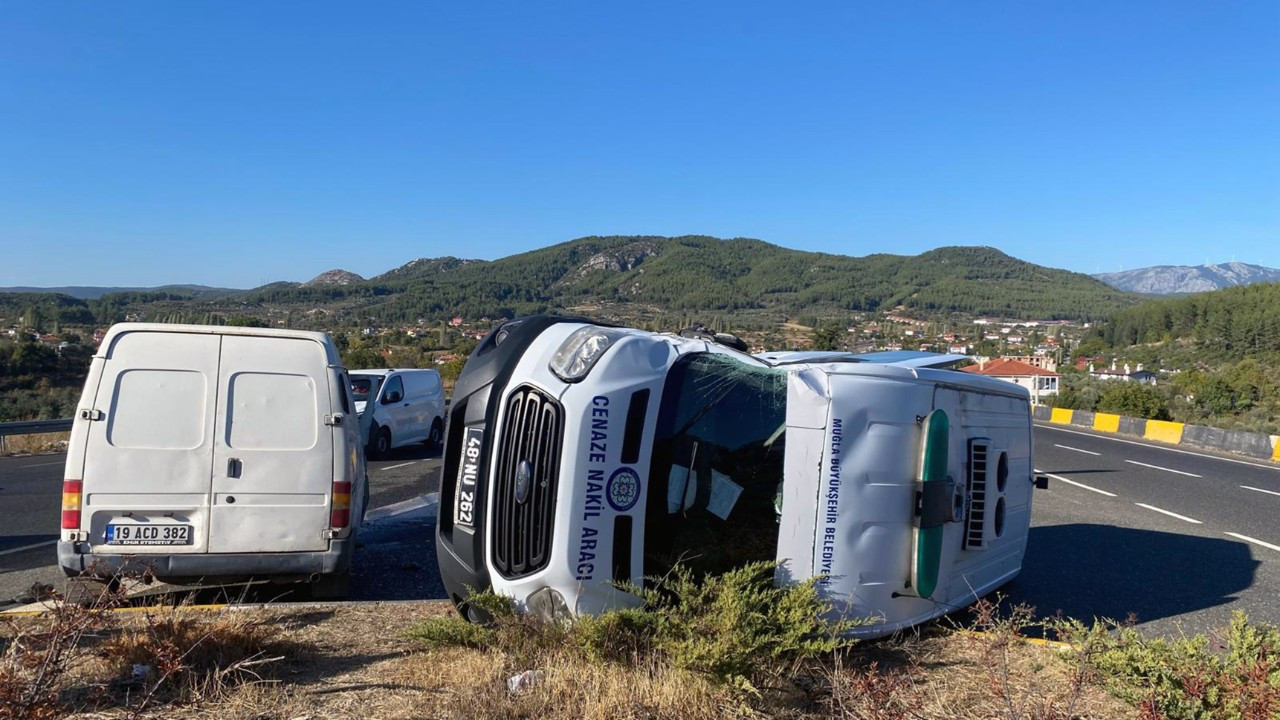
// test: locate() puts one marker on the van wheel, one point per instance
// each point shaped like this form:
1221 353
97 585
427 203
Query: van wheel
437 434
380 445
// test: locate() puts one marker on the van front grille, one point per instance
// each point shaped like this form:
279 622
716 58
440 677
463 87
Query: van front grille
979 450
524 501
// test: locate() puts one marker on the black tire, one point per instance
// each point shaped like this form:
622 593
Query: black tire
379 443
436 436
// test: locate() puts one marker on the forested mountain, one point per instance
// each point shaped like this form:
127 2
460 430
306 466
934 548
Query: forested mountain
1183 279
1218 355
641 275
1234 322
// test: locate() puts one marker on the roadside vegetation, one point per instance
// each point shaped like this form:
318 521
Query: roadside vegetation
1218 354
38 382
731 646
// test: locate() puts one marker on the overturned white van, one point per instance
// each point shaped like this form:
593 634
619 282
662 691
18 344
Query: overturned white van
214 453
580 456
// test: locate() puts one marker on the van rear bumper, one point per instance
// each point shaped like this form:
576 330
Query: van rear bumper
334 561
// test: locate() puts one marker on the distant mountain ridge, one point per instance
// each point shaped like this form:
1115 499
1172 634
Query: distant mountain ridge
93 292
636 279
1182 279
648 276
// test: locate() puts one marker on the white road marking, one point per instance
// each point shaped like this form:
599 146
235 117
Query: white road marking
1068 447
1255 541
393 467
1269 492
25 548
1170 514
1157 467
1157 447
1077 484
402 507
24 467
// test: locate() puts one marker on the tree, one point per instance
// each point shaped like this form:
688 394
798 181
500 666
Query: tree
827 336
1133 399
359 355
246 321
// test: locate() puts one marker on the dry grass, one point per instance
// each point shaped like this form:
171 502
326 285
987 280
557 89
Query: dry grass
358 661
34 444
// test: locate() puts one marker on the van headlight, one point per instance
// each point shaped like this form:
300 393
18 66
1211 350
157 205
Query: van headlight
581 351
549 604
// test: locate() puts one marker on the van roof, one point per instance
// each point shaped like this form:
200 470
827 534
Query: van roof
120 329
384 371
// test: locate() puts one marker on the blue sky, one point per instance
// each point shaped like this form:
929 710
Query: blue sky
234 144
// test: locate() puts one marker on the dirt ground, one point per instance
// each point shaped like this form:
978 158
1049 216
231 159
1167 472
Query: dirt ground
358 661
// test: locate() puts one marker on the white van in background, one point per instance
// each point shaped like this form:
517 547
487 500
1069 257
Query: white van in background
398 408
214 453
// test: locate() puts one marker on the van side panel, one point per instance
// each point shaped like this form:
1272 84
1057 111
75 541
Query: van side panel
348 447
273 454
147 458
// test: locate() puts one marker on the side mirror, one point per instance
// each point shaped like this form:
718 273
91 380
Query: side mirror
391 397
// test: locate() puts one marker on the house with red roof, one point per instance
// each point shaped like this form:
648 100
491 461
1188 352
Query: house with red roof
1039 381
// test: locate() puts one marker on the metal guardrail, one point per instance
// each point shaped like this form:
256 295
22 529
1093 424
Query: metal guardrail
32 427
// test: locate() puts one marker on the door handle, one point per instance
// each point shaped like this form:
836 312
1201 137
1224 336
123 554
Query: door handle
234 467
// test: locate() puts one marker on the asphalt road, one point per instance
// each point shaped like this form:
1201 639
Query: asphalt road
1174 539
1177 540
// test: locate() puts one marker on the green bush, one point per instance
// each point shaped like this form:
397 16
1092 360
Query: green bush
1189 678
738 627
451 631
1133 399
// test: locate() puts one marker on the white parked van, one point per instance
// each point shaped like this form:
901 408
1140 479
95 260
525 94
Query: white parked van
214 453
398 408
580 456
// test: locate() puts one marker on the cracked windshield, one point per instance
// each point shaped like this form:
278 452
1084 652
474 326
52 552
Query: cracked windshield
717 465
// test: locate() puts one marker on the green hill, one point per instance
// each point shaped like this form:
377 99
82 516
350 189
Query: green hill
703 274
635 277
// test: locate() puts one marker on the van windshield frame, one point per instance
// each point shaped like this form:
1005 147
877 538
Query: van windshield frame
717 465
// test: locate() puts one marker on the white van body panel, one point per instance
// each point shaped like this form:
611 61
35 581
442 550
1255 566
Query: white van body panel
239 433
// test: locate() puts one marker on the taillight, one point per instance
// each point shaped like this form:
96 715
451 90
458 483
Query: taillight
71 504
340 510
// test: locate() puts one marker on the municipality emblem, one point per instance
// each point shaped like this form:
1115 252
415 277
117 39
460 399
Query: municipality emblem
623 489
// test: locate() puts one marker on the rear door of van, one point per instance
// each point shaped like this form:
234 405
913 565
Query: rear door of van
272 459
149 445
